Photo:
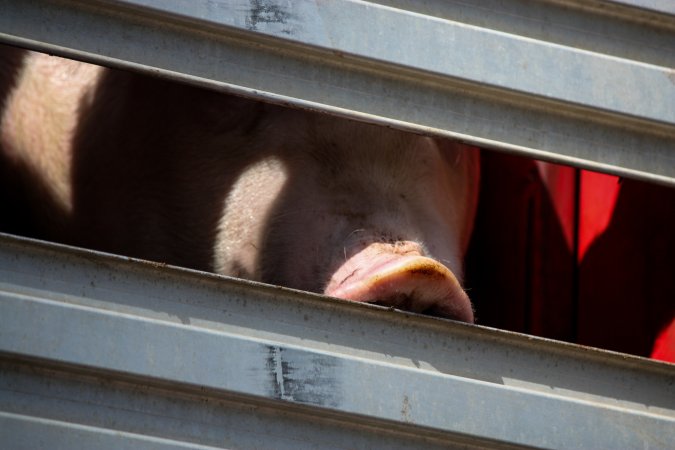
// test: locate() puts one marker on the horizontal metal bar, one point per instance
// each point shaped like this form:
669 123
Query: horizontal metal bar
658 6
109 319
606 28
445 48
20 432
595 106
56 408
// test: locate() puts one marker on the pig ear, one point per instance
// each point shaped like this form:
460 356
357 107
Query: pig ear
472 194
457 153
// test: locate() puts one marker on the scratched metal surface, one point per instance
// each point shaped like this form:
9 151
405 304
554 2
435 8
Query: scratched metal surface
589 83
109 351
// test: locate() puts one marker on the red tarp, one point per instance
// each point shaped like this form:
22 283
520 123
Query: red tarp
575 255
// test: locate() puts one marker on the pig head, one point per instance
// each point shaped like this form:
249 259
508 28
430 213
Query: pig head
169 172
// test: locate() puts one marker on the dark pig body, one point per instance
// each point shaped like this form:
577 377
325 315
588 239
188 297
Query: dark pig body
129 164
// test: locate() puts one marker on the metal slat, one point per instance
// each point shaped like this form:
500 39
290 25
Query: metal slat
91 341
29 433
659 6
57 408
541 93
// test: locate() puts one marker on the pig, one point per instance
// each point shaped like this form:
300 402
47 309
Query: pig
131 164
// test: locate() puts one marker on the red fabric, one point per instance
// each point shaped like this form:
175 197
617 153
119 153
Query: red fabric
614 290
559 182
664 346
598 197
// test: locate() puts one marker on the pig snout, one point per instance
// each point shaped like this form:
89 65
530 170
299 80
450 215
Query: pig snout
400 276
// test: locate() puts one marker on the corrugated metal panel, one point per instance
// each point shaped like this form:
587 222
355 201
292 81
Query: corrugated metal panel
583 82
106 351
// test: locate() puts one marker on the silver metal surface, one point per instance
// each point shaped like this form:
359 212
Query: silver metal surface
586 83
659 6
165 357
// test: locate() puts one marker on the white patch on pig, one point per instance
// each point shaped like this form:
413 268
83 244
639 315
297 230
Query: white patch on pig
241 228
41 117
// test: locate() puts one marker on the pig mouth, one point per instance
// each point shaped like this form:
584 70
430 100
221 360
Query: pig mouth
410 282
